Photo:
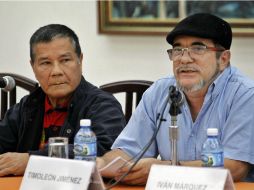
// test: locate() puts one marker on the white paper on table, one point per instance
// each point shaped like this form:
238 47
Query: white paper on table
111 169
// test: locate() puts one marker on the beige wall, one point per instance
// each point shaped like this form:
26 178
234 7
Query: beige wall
106 57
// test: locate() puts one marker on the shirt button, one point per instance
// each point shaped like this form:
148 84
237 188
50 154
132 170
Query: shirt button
68 131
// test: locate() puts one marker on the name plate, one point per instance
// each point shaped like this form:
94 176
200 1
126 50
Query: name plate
163 177
60 174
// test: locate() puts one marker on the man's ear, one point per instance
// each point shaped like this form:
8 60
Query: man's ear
32 65
81 58
224 59
81 61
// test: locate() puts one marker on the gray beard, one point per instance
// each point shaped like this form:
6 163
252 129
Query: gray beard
193 88
200 84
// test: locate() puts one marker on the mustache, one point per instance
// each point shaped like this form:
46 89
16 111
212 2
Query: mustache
185 68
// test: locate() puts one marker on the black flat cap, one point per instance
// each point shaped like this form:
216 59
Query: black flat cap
203 25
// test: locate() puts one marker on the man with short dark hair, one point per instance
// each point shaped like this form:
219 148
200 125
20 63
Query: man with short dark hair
216 95
57 106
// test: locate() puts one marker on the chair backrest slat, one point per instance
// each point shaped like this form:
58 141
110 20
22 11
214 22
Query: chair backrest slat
128 104
3 102
130 88
12 96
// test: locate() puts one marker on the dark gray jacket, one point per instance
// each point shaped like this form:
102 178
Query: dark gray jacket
21 128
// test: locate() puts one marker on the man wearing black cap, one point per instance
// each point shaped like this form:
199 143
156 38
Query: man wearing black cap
216 96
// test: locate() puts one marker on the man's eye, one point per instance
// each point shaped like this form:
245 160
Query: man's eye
198 48
177 50
65 60
45 63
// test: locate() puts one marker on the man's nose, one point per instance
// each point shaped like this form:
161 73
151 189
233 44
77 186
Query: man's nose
185 55
56 67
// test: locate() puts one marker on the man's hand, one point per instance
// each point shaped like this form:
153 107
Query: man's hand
13 163
139 174
100 162
108 157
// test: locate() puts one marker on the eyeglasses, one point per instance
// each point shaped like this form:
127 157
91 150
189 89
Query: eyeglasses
177 52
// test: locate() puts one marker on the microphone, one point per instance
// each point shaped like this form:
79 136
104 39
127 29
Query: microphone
175 96
175 99
7 83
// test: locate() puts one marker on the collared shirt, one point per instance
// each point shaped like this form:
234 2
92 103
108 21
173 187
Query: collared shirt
228 106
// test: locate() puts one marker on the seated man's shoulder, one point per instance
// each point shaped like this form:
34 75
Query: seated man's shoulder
242 80
163 84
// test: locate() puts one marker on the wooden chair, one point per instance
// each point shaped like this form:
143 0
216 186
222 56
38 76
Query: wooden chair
10 98
130 88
